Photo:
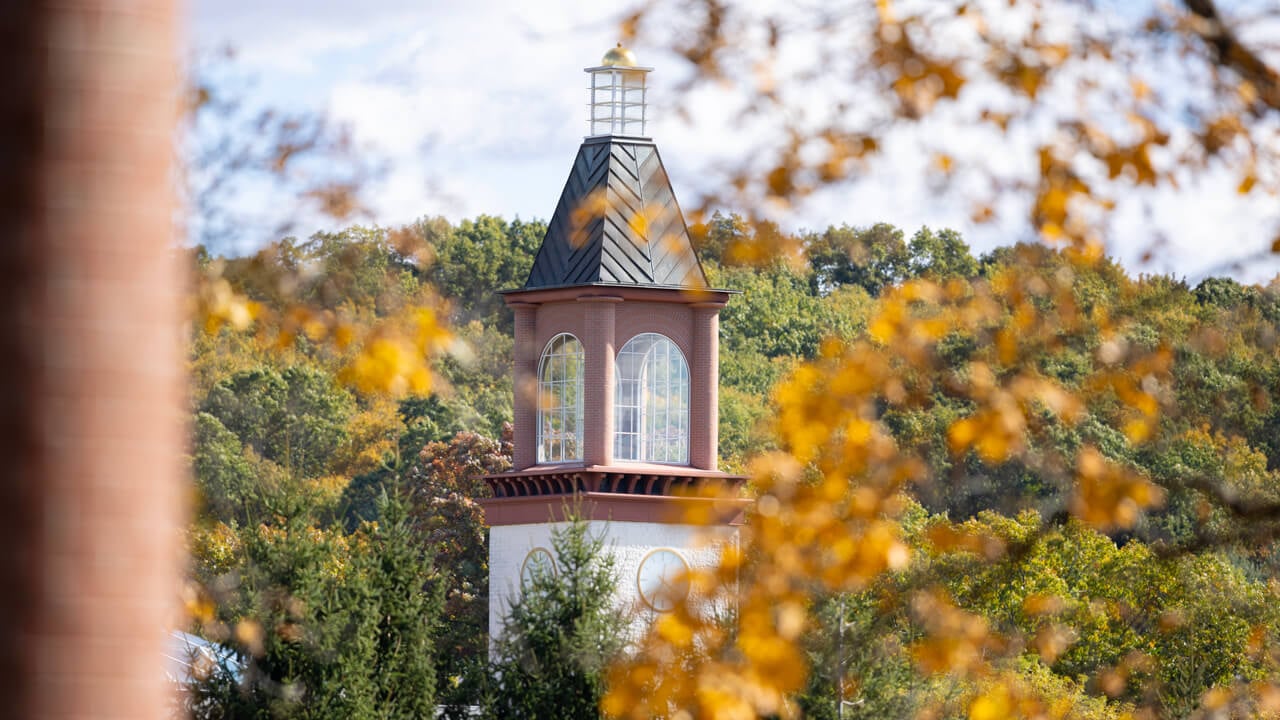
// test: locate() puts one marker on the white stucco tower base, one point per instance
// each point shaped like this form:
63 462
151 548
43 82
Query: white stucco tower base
629 543
648 537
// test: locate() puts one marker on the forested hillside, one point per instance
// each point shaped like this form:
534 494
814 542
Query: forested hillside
333 516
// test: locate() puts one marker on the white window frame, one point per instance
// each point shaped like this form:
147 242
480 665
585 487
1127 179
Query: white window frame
619 101
560 400
651 402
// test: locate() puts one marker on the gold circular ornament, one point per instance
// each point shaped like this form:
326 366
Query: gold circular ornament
539 560
619 57
662 579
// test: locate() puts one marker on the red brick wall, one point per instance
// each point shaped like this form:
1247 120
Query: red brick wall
91 419
675 321
555 318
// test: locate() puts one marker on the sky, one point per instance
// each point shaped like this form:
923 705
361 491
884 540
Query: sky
480 105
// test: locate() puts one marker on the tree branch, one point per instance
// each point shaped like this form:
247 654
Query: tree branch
1232 53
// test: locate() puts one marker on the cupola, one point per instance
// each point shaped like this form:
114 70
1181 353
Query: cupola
619 105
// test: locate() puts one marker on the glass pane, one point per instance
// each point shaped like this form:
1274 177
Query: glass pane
652 416
559 400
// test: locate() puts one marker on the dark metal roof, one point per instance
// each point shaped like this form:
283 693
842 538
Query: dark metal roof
617 223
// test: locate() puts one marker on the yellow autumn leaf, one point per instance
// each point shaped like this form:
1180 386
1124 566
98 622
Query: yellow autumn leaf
1109 496
1137 430
675 630
639 223
994 704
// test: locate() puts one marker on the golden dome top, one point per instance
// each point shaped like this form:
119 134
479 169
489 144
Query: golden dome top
619 57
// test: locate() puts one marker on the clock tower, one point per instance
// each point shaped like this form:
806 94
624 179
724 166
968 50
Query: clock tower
616 370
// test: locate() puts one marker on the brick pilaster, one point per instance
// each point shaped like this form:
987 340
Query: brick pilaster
704 387
598 381
525 378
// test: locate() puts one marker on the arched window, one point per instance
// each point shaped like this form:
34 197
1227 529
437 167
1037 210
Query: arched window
560 400
651 405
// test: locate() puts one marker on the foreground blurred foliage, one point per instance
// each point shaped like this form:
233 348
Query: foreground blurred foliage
1059 116
986 416
1025 486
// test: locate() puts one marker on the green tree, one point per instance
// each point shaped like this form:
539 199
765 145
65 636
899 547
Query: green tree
1071 601
294 418
1224 293
330 625
560 635
729 240
714 239
481 379
743 431
359 268
409 603
443 483
228 486
870 258
940 255
777 316
479 257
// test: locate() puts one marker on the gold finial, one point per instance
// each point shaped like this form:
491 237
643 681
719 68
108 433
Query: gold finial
619 57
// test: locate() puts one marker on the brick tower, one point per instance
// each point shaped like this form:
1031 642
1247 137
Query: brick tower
616 366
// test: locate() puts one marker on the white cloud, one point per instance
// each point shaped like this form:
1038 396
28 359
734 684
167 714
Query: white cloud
480 106
283 36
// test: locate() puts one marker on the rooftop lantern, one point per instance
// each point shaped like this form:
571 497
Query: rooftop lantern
618 102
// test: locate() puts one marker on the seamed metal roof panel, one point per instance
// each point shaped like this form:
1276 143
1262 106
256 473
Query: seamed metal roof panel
618 223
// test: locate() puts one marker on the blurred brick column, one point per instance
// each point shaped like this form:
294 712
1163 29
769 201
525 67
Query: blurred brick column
704 387
598 380
525 403
91 374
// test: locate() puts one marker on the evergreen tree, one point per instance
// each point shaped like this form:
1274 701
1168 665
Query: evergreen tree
332 625
409 603
561 634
